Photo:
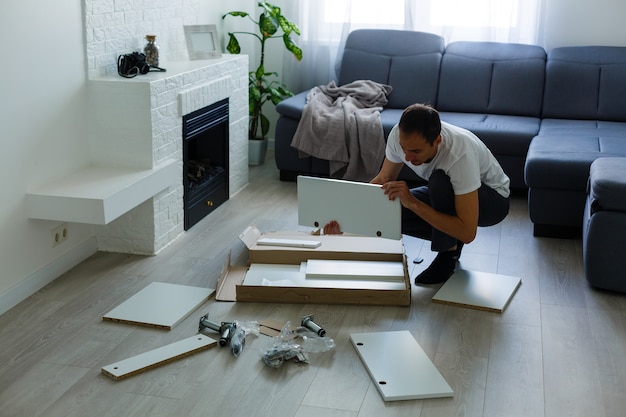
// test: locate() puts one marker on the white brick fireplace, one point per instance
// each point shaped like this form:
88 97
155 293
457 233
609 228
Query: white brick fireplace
137 123
135 138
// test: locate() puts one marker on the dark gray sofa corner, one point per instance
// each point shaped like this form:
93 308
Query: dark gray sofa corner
583 119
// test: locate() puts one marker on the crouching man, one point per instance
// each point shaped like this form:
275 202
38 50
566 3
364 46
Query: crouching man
466 187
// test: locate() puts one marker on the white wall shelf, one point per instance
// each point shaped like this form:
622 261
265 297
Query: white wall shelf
98 195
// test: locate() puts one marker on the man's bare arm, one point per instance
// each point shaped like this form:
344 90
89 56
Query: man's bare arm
388 172
463 225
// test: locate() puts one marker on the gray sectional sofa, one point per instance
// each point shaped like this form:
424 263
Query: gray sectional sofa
545 116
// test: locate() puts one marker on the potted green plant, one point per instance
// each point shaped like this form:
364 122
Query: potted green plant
264 86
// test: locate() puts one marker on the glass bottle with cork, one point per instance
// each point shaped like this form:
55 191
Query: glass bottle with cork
151 51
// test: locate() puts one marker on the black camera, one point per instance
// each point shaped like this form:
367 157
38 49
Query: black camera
133 64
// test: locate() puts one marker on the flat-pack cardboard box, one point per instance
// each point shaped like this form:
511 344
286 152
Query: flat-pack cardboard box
332 247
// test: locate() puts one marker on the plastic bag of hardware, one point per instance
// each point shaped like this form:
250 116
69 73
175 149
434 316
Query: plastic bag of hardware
238 337
294 345
282 348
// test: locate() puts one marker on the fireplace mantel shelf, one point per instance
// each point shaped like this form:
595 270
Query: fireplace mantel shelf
98 195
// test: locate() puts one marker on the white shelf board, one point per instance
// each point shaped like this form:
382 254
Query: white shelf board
97 194
351 270
399 367
480 290
160 304
158 357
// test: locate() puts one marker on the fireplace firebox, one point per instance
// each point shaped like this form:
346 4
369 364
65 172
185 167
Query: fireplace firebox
205 161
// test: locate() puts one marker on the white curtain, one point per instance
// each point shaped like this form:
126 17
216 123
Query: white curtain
326 23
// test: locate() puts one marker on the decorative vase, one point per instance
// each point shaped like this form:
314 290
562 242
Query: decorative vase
257 149
151 51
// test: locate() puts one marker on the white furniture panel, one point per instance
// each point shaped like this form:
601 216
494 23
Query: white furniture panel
481 290
157 357
358 207
160 305
399 367
354 270
295 276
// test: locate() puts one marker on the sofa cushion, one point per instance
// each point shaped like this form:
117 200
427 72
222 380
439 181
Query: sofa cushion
563 161
406 60
586 82
491 77
582 127
503 135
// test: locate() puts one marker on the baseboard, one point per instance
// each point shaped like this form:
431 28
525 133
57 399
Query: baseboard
47 274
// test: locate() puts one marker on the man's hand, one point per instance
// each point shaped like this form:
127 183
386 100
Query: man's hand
398 189
332 228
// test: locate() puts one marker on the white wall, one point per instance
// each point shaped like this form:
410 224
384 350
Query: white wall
42 129
584 22
42 116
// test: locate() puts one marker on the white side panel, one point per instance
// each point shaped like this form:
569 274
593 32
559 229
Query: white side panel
480 290
358 207
160 305
399 367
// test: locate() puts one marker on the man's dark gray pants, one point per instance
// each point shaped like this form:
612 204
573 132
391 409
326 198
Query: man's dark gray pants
438 194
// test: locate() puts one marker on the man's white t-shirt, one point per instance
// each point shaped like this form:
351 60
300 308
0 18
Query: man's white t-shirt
461 155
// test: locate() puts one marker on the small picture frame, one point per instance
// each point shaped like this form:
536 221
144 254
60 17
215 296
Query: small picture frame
202 41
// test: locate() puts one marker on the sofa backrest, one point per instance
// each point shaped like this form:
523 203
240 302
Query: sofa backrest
586 82
492 77
407 60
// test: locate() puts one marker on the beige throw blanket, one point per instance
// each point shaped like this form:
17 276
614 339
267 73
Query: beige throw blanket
342 125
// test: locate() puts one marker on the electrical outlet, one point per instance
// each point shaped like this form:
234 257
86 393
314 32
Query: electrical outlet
59 234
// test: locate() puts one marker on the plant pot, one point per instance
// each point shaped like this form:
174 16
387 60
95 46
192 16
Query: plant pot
257 148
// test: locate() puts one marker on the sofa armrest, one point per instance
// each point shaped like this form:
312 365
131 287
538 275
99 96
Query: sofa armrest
292 107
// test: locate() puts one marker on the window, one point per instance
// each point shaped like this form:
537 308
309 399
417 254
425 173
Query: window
365 12
476 13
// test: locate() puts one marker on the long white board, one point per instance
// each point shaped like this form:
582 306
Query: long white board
351 270
399 367
157 357
358 207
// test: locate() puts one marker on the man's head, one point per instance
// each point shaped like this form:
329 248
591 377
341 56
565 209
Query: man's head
420 133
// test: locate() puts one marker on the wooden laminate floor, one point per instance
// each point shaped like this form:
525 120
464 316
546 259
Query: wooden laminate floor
559 349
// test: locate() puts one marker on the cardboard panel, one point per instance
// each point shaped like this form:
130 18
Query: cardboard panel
399 367
358 207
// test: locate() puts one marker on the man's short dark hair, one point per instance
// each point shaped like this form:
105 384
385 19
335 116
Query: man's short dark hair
421 119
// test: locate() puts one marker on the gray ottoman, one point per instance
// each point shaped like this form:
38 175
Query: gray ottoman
604 225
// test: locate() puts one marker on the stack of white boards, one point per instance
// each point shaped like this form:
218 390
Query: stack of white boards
318 273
